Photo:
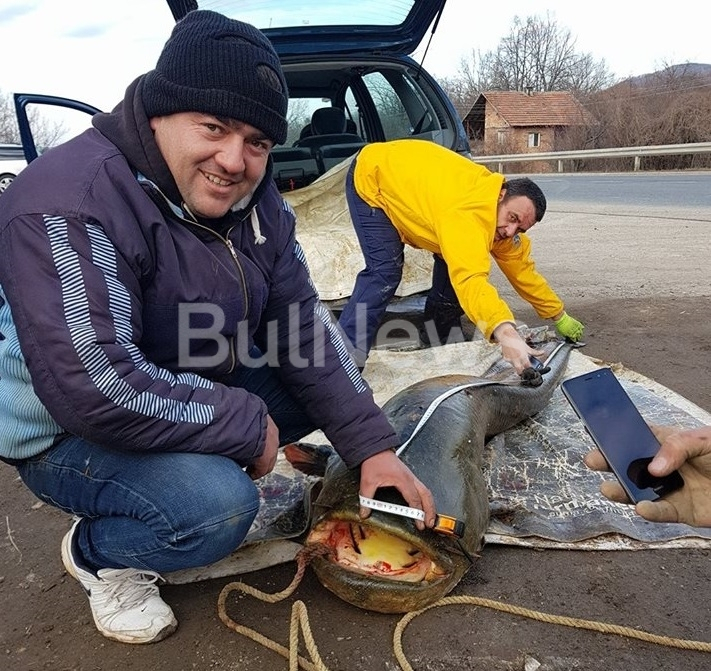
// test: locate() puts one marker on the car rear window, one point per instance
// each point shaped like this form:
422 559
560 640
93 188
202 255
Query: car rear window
262 13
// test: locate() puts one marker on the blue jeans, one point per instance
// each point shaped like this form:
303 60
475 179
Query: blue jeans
375 285
160 511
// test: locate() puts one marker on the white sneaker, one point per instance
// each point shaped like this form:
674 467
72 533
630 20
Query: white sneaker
125 603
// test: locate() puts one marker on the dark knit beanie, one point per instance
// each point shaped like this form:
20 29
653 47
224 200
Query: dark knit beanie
219 66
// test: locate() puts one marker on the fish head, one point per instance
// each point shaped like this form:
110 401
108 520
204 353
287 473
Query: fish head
383 562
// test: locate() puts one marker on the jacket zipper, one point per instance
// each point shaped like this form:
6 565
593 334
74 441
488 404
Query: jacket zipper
238 265
230 247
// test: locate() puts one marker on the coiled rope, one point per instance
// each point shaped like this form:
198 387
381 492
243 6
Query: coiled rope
592 625
300 620
299 615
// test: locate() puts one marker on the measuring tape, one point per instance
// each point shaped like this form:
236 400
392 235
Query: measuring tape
481 382
444 524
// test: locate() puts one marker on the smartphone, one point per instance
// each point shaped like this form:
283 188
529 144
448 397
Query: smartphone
619 432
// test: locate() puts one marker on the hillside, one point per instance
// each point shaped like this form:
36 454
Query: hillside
699 73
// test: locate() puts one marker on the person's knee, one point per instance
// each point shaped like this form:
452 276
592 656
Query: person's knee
388 281
223 526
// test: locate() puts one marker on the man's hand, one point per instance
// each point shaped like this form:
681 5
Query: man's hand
514 348
264 463
569 327
386 470
689 451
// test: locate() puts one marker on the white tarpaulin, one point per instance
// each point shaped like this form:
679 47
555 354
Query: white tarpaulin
540 492
325 231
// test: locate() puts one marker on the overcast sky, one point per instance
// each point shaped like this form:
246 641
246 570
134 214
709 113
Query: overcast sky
91 49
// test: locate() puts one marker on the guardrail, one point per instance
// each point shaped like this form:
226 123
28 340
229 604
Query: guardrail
614 152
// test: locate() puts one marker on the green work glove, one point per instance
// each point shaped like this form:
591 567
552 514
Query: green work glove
569 328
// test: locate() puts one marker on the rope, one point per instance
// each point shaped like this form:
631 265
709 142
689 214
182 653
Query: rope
300 620
578 623
299 615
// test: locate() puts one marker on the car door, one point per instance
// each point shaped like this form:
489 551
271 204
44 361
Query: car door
43 107
12 162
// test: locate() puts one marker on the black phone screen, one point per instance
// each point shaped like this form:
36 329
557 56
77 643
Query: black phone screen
620 432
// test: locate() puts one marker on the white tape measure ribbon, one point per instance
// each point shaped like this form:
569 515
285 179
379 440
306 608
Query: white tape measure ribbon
444 524
394 508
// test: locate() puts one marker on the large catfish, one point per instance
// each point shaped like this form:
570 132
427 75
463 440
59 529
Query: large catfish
383 563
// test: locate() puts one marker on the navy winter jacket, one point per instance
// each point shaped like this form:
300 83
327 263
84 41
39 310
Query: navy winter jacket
95 264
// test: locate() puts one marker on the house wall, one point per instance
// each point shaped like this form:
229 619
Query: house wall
516 141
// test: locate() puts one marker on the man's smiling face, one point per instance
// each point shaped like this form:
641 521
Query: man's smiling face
215 162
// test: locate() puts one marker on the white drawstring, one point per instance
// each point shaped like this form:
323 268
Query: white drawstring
259 239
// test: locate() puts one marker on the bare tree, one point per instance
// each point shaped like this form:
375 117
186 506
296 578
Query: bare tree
464 88
459 93
297 117
536 55
9 132
671 106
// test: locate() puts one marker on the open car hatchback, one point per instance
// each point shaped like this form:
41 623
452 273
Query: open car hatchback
350 76
352 81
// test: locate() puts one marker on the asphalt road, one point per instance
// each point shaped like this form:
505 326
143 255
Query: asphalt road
677 190
627 235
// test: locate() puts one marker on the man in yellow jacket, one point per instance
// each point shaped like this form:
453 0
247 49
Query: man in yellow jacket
418 193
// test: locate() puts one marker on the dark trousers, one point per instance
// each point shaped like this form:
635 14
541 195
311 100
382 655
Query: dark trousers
375 285
442 309
161 511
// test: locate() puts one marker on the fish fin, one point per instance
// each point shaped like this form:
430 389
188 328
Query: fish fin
308 458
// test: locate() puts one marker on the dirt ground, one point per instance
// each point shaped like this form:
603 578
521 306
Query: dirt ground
45 622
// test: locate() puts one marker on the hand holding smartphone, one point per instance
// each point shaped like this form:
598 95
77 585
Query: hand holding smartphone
619 432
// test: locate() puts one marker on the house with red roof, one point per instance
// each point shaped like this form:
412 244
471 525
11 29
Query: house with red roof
514 122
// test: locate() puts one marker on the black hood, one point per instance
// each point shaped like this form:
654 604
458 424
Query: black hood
127 126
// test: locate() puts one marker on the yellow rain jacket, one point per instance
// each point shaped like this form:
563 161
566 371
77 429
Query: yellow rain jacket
443 202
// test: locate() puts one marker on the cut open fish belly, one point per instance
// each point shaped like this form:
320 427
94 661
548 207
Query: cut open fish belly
371 550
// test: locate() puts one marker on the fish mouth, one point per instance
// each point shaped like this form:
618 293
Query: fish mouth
375 567
372 551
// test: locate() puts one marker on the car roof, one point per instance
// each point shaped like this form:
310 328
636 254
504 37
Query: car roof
329 27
